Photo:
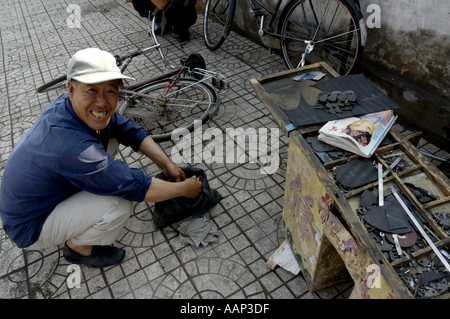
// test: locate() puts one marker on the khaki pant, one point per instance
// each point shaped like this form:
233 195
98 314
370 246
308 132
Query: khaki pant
86 219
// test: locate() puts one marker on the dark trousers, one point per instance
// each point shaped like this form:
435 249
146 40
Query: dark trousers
176 15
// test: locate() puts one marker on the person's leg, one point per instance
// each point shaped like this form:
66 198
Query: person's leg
77 214
86 224
86 220
181 18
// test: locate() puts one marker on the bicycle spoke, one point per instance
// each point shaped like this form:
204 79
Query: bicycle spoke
321 21
180 103
175 105
219 11
217 19
335 35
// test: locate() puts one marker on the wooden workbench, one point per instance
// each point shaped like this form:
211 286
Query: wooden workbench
320 223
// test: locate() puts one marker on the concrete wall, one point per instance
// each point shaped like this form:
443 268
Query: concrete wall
413 41
407 56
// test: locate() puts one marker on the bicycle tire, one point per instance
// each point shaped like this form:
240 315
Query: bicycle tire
161 121
52 85
337 40
217 22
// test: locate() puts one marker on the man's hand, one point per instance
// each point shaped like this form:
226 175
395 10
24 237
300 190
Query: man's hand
160 190
194 187
178 185
173 173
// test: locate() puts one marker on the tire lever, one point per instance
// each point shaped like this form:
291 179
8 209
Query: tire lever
393 165
422 231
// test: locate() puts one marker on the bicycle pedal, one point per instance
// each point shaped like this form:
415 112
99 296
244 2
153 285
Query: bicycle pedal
257 12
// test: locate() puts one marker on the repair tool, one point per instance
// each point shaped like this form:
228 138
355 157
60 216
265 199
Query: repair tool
393 165
381 203
380 185
421 230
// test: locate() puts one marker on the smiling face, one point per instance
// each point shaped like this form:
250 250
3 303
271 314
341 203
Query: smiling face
94 104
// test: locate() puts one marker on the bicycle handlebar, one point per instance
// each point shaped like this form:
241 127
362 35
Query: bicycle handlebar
131 55
135 53
219 81
123 61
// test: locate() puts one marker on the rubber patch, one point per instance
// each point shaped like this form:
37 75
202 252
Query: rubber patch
370 99
356 173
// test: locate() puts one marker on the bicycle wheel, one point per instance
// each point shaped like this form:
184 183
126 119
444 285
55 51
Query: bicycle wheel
52 85
217 22
333 28
175 106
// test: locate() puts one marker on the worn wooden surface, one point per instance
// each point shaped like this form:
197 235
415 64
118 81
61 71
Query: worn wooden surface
323 244
326 237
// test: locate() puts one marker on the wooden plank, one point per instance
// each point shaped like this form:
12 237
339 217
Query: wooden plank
424 251
437 176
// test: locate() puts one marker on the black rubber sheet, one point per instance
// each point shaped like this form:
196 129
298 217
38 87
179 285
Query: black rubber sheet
370 99
356 173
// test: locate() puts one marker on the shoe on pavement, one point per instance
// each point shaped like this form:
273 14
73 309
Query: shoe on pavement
184 38
101 256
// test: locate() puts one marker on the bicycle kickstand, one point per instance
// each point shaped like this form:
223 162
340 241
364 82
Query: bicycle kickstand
308 50
258 12
261 31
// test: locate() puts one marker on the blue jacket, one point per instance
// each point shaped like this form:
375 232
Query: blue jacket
59 156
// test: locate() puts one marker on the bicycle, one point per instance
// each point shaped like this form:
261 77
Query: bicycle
308 31
170 101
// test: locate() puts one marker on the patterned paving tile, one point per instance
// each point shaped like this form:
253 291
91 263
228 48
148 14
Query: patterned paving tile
36 44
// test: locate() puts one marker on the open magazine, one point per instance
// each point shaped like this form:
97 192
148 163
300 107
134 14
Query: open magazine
360 135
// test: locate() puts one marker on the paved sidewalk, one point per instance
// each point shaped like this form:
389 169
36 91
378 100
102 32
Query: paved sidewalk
36 44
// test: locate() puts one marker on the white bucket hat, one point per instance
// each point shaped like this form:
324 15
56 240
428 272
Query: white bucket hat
91 66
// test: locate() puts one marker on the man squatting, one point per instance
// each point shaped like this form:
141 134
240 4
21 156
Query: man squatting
61 184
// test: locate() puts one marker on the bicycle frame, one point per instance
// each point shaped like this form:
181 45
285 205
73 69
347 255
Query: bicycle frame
273 13
310 39
219 81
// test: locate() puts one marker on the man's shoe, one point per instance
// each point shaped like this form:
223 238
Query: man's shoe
101 256
184 38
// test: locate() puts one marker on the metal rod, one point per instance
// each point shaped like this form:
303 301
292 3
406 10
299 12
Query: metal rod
422 231
138 93
380 185
393 165
440 159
